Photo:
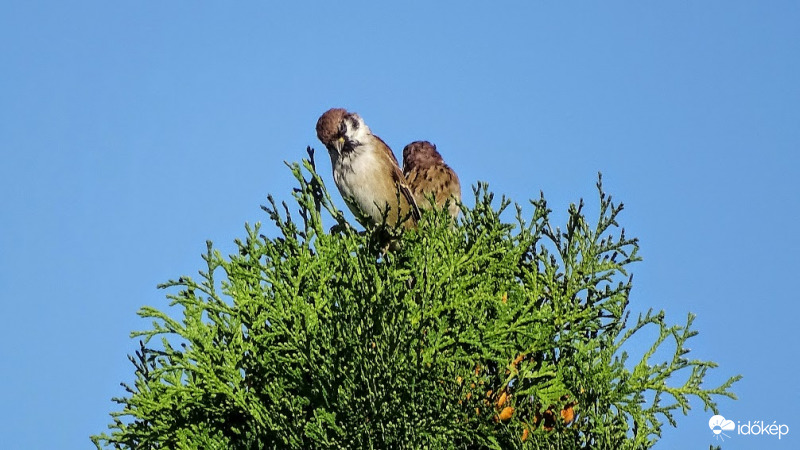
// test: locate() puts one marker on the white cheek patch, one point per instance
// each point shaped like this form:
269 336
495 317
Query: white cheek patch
357 134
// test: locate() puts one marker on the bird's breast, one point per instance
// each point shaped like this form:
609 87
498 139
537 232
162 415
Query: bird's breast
364 180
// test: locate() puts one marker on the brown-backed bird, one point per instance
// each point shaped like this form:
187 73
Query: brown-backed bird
427 175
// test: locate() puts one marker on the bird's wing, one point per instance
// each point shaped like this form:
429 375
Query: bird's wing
412 202
400 181
388 151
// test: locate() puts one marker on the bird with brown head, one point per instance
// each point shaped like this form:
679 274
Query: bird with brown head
366 171
429 177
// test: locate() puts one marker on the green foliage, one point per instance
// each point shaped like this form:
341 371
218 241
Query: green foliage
313 339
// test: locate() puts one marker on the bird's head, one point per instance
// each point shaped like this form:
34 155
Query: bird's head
420 154
341 131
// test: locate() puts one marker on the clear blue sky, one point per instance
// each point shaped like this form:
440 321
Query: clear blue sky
131 132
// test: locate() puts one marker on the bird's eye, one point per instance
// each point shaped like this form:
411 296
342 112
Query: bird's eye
342 128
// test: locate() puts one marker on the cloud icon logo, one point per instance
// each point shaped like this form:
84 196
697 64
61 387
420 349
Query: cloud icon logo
718 424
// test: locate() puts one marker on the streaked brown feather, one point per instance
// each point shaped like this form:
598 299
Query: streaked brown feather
427 174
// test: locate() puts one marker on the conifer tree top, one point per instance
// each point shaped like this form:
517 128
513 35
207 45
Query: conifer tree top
486 334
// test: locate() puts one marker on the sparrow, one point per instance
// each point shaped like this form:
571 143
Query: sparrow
428 175
366 171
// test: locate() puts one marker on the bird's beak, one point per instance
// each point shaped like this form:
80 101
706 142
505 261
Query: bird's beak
338 144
